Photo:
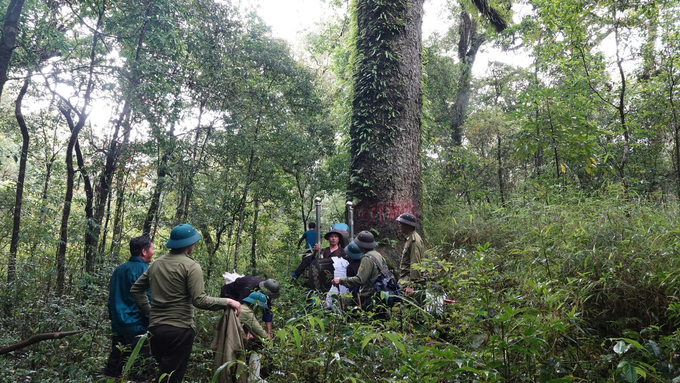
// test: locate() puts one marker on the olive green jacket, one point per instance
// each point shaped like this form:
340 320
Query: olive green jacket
366 276
176 283
250 323
412 255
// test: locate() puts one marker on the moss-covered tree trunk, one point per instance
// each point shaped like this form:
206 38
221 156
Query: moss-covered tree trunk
385 175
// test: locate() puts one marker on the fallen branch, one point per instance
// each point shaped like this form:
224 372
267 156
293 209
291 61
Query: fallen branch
38 338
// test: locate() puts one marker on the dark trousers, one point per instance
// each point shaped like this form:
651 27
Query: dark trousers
171 347
121 348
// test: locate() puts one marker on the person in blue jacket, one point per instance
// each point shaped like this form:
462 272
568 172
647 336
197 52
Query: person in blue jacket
127 322
309 237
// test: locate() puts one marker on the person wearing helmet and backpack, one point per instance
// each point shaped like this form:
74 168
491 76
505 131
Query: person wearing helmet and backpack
369 270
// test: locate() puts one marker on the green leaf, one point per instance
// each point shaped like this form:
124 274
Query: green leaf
627 371
393 338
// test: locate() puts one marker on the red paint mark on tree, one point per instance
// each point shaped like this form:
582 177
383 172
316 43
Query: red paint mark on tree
376 214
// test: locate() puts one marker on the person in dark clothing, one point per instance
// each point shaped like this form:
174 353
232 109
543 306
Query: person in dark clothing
336 245
241 288
127 322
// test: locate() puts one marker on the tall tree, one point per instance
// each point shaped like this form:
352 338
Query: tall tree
8 39
385 131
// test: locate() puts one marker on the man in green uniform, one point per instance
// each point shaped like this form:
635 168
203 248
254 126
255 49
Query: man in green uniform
368 270
250 325
176 283
412 255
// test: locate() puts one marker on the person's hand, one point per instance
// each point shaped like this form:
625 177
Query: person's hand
335 281
409 291
249 336
235 305
317 247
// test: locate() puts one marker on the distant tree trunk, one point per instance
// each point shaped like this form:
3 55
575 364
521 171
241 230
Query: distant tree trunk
209 247
468 45
8 40
553 138
118 216
385 130
246 188
499 158
14 244
647 49
253 239
161 173
90 242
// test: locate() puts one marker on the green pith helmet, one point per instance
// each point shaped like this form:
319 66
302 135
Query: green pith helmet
366 240
408 219
182 236
270 288
257 298
352 251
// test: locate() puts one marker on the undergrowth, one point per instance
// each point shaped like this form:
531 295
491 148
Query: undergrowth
577 288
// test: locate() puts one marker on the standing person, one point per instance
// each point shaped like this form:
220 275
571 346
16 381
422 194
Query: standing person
368 271
127 322
176 283
412 254
309 236
336 245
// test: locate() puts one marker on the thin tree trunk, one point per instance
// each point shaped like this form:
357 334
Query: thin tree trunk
82 117
90 242
118 217
554 142
161 172
253 239
14 244
501 183
114 150
468 45
246 188
8 39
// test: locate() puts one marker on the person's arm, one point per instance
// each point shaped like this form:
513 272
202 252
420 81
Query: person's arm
138 292
267 318
300 241
198 296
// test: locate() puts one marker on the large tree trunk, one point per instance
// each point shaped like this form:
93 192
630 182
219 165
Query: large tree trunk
14 244
385 131
468 45
10 28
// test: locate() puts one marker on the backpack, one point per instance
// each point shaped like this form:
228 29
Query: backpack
387 284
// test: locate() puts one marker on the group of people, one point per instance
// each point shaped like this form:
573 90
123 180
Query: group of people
155 304
161 298
362 262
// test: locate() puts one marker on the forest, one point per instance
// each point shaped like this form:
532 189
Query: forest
547 190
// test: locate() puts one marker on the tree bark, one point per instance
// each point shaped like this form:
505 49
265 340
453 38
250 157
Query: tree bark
90 242
468 46
36 339
73 140
385 130
10 28
253 239
14 243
